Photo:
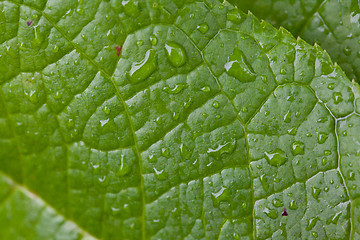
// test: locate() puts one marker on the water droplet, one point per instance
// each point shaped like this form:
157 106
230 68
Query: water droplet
287 117
185 152
334 219
244 109
160 175
228 148
238 67
124 168
130 8
315 192
143 69
58 95
188 103
277 202
314 234
140 43
264 182
351 175
337 96
84 37
217 116
276 157
70 123
327 152
347 51
175 115
234 16
298 148
322 137
106 110
293 205
31 95
215 104
177 89
311 223
175 53
222 195
55 49
152 158
344 133
324 161
165 152
205 89
104 122
271 213
203 28
153 40
331 86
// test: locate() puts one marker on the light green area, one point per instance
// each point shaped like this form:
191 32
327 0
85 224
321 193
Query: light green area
206 126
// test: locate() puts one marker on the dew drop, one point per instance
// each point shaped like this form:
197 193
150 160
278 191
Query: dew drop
271 213
31 95
175 90
264 182
160 174
153 40
124 168
238 67
324 161
215 104
140 43
314 234
185 152
165 152
106 110
227 147
293 205
311 223
337 96
334 219
203 28
347 51
222 195
344 133
351 175
287 117
277 202
143 69
298 148
276 157
321 136
152 158
315 192
331 86
175 53
205 89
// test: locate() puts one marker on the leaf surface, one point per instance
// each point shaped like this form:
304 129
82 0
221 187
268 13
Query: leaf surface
171 120
333 24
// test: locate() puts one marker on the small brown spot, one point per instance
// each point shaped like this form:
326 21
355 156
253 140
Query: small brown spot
29 23
284 213
118 50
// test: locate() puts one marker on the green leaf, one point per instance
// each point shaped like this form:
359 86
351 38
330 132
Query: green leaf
333 24
171 120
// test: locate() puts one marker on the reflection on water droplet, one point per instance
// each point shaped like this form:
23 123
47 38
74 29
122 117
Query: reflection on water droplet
264 182
152 158
185 152
271 213
177 89
203 28
351 175
277 202
293 205
238 67
205 89
331 86
160 174
215 104
322 137
165 152
106 110
143 69
311 223
315 192
153 40
222 195
276 157
175 53
104 122
337 96
140 43
227 147
124 168
298 148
